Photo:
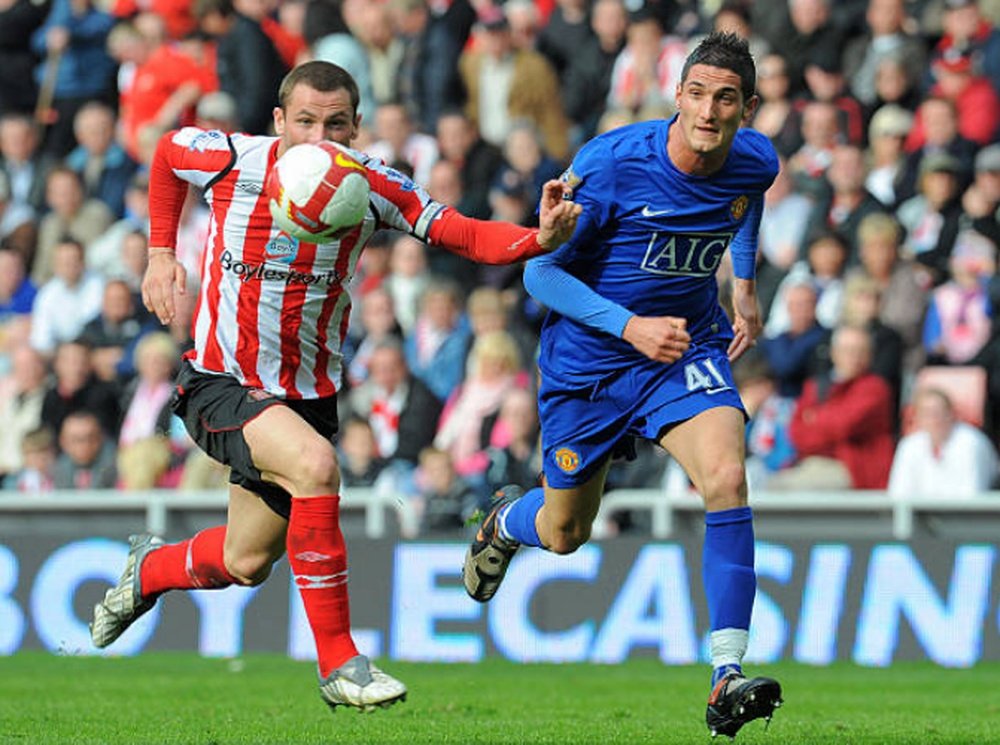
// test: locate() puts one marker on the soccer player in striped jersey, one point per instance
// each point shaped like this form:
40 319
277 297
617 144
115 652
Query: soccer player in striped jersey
258 391
637 345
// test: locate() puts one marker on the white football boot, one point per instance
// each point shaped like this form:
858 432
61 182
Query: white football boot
124 603
360 684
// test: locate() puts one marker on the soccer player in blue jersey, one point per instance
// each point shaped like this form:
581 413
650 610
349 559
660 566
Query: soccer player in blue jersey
637 345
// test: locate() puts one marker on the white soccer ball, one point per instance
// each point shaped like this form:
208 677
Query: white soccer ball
318 192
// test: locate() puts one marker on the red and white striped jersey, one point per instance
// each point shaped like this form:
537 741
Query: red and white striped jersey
272 310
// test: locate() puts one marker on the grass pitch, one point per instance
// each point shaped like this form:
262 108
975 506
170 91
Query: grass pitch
181 698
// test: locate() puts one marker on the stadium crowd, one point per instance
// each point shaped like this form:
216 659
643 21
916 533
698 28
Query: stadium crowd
879 367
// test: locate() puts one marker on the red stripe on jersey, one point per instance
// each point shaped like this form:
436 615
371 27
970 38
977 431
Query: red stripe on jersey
406 200
325 386
222 197
291 321
255 240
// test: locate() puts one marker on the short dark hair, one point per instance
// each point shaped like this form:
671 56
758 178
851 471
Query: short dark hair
321 76
730 52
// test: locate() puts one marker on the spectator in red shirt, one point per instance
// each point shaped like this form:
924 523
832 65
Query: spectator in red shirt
976 102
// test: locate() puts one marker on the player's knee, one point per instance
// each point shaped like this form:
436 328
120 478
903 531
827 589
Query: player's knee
317 471
725 485
567 541
249 569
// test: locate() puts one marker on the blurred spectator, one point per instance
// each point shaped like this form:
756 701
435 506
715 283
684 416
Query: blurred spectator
21 396
378 325
820 135
17 291
505 84
38 457
339 46
87 460
823 268
769 448
397 141
886 135
435 349
586 80
144 453
433 36
402 411
566 33
72 46
217 110
977 103
178 15
67 302
105 254
112 334
931 218
648 69
825 82
104 167
862 300
803 350
981 201
524 153
249 67
286 31
525 22
408 279
846 202
885 36
71 215
163 86
373 267
18 20
489 310
75 387
775 116
21 161
807 27
445 185
842 427
895 84
466 428
358 458
959 316
903 299
510 201
513 456
782 234
478 161
967 30
940 126
942 457
14 218
447 501
385 51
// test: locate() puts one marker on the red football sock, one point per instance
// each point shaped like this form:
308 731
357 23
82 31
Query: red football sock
194 564
318 557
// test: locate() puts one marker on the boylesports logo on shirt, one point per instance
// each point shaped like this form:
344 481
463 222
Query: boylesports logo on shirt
685 254
262 273
567 459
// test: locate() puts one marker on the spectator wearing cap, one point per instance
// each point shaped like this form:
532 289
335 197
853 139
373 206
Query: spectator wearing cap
968 31
505 84
825 82
886 135
977 104
884 37
981 200
939 120
104 166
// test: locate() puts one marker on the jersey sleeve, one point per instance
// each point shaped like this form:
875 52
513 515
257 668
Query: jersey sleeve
186 156
591 177
744 245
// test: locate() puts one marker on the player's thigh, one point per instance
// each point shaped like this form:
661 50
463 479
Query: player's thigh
710 448
288 450
255 535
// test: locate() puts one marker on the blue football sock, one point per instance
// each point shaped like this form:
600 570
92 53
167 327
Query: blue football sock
730 583
519 518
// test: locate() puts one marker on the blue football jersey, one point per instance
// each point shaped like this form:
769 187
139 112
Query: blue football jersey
651 237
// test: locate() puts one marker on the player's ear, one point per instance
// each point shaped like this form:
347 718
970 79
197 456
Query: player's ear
750 107
279 120
356 128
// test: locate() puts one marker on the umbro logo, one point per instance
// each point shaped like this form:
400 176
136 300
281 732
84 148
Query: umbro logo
647 212
249 187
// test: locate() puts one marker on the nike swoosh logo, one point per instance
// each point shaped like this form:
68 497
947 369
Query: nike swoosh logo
344 162
713 391
647 212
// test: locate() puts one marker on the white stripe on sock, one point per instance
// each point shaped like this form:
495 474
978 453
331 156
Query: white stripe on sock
728 646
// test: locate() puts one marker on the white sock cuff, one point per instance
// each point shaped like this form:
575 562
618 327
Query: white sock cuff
728 646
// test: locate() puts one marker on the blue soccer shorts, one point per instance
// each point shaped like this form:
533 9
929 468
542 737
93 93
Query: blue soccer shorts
582 426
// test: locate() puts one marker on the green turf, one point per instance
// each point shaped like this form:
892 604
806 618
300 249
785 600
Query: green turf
180 698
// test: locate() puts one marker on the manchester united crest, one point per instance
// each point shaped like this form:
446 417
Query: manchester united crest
739 207
567 459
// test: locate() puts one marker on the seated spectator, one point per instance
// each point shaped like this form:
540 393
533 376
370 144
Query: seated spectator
87 460
71 215
489 310
801 351
524 154
842 427
513 455
977 104
104 167
72 286
218 111
648 70
981 201
959 316
17 291
397 140
775 117
446 502
357 453
886 134
466 427
862 300
38 457
931 218
825 82
823 267
477 160
941 138
820 135
21 161
782 234
408 279
445 185
21 396
113 333
105 253
886 36
769 448
75 387
17 229
435 349
402 411
942 457
144 453
378 325
896 85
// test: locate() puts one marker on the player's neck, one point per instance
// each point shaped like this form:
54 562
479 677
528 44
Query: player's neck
687 160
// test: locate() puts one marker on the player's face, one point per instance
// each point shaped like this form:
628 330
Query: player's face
711 109
311 116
